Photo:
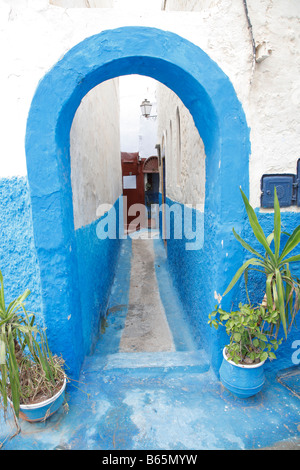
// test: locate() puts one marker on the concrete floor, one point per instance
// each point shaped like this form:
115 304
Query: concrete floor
133 398
146 326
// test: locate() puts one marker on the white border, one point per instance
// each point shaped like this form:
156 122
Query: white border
243 366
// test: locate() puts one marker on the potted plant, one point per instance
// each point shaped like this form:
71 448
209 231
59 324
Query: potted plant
32 380
282 289
254 331
252 342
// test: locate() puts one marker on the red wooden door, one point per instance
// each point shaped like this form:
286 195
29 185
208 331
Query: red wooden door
133 192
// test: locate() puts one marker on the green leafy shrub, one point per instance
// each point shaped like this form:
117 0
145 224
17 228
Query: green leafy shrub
251 333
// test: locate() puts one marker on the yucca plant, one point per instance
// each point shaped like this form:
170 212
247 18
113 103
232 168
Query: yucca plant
26 363
282 289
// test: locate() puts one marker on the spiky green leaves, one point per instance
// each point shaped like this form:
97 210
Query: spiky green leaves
282 289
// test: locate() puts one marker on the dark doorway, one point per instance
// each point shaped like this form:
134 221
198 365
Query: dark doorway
151 179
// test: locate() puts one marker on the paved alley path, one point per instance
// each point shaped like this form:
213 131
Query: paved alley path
146 327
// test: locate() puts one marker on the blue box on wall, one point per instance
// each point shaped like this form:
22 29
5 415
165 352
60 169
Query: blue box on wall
297 182
286 189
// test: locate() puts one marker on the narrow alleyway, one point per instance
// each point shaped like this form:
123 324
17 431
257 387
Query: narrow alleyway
144 313
146 326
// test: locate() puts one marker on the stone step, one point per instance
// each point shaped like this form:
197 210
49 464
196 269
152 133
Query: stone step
195 361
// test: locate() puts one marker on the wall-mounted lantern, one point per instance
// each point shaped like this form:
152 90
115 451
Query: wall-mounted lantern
146 108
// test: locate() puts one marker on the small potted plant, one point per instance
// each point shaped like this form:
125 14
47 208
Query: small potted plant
254 331
32 380
252 342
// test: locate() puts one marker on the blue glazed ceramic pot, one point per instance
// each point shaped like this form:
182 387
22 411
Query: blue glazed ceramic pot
41 411
242 380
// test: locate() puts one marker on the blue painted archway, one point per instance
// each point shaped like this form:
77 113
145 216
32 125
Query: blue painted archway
211 99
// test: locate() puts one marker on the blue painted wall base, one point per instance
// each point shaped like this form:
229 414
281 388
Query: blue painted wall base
96 269
18 260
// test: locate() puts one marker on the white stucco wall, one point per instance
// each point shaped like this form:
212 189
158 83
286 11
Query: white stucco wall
185 166
83 3
95 153
273 108
34 35
269 93
187 5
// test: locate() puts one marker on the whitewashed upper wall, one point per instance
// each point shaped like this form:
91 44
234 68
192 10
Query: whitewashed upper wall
273 108
95 153
188 5
83 3
185 166
270 95
33 37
